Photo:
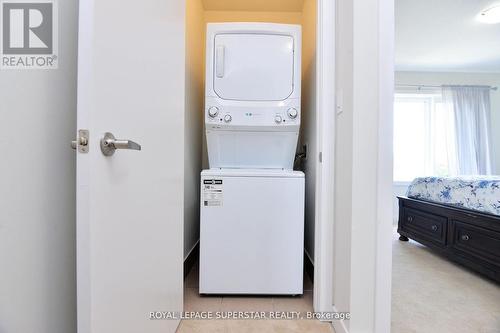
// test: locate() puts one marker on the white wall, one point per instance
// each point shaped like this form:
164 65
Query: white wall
343 160
195 93
439 78
309 128
37 191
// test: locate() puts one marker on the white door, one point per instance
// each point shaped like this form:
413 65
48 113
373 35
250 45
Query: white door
130 204
253 67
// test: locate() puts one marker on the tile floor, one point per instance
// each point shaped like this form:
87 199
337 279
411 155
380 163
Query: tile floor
194 302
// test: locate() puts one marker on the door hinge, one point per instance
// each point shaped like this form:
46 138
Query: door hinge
81 142
320 157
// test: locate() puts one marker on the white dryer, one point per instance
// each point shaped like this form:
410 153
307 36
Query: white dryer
252 94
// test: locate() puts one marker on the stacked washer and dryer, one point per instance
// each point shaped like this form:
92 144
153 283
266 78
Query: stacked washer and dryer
252 202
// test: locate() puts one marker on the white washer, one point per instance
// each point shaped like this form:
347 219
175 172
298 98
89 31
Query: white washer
251 231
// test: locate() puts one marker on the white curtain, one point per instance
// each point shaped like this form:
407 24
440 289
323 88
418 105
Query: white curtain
442 141
471 109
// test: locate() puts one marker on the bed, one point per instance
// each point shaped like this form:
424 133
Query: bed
458 217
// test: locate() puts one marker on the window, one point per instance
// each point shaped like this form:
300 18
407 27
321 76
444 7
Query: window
424 137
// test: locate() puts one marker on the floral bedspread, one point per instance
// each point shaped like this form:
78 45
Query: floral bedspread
481 193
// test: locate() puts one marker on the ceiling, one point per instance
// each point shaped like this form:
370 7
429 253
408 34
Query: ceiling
443 35
255 5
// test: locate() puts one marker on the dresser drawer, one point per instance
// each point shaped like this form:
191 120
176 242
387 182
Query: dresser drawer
427 226
480 243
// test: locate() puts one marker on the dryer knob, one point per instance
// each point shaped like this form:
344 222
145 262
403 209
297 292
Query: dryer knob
278 119
292 113
228 118
213 111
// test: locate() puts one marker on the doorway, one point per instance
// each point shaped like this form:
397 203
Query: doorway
446 169
305 13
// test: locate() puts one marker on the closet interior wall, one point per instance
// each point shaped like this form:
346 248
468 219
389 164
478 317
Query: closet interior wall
198 14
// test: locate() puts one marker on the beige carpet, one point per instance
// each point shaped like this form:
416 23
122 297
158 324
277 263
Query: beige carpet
433 295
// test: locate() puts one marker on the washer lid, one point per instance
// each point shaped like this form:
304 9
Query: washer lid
252 173
253 67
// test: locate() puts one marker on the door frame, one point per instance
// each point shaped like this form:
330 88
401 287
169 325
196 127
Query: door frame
373 314
325 138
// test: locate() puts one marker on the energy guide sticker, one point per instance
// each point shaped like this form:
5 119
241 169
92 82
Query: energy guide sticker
213 192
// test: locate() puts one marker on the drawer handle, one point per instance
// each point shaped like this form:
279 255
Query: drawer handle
465 237
410 218
434 227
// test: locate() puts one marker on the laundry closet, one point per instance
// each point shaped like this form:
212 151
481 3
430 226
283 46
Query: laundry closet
199 13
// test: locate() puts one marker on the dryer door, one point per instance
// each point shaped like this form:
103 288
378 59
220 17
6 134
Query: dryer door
253 67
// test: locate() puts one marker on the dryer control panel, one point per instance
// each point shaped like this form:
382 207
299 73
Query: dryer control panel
283 114
252 94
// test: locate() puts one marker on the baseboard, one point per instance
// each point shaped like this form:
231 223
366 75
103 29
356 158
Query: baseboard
339 325
191 258
308 265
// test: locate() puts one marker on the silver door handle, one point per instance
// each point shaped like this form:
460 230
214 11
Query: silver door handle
109 144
